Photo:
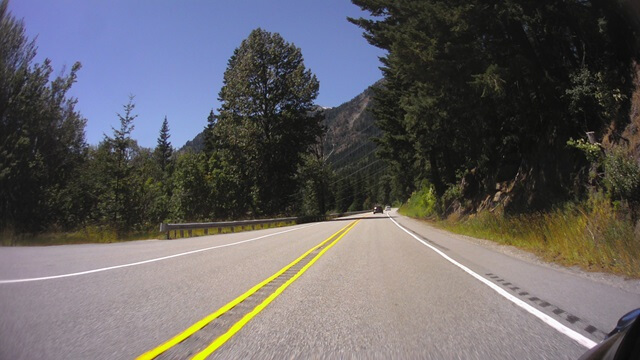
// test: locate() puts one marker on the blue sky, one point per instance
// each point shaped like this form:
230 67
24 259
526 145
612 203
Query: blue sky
172 54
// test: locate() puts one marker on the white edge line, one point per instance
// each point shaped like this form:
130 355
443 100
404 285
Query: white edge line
146 261
580 339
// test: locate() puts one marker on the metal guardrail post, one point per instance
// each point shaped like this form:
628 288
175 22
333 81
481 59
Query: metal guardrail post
164 229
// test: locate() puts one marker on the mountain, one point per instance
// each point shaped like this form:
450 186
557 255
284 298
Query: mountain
195 145
349 129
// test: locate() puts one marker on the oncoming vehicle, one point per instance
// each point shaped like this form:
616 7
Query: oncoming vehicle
387 208
377 209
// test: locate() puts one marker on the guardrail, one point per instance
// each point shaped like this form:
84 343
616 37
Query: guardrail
243 224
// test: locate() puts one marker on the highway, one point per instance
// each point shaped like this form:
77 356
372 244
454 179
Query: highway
369 286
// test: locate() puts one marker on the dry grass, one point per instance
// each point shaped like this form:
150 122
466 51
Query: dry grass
90 234
593 236
102 235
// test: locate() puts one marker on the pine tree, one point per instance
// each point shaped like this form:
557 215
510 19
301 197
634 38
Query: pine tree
497 89
42 142
164 150
120 201
266 121
209 134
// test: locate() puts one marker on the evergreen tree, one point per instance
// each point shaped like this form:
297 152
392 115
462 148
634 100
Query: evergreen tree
209 135
42 142
497 89
266 123
164 150
191 198
119 152
344 194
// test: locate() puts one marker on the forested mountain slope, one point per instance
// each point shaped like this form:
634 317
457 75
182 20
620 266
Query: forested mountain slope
350 128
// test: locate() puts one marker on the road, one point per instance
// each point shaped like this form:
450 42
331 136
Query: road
378 286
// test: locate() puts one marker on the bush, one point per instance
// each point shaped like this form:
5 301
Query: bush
621 176
450 196
423 203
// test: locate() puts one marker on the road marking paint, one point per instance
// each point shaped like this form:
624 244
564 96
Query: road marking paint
598 334
579 338
240 324
152 354
147 261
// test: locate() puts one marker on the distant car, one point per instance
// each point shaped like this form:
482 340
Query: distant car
377 209
388 208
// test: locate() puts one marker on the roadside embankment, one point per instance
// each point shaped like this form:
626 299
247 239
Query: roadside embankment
593 235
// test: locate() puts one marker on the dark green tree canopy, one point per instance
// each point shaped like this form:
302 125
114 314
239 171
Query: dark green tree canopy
164 150
120 151
41 135
266 121
497 88
266 82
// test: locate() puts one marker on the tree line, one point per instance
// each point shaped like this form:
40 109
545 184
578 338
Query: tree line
480 93
263 148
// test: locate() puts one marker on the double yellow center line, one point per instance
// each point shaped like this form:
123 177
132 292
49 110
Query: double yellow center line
204 353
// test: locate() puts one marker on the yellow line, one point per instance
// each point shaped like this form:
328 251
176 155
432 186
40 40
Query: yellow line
153 353
240 324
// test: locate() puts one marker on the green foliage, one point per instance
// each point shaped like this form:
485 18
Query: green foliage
423 203
41 135
591 234
209 136
344 194
594 92
261 153
164 151
621 172
314 176
621 176
119 199
593 152
190 200
266 121
450 196
499 88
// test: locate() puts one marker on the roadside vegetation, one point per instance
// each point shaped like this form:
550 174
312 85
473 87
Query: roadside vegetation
262 155
598 233
515 121
104 235
594 234
510 120
88 234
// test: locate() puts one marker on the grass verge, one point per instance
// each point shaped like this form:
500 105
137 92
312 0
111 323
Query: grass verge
592 235
90 234
103 235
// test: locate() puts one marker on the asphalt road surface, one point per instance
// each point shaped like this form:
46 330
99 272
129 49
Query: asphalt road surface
374 286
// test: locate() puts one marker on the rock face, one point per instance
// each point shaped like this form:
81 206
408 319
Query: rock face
350 128
631 134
